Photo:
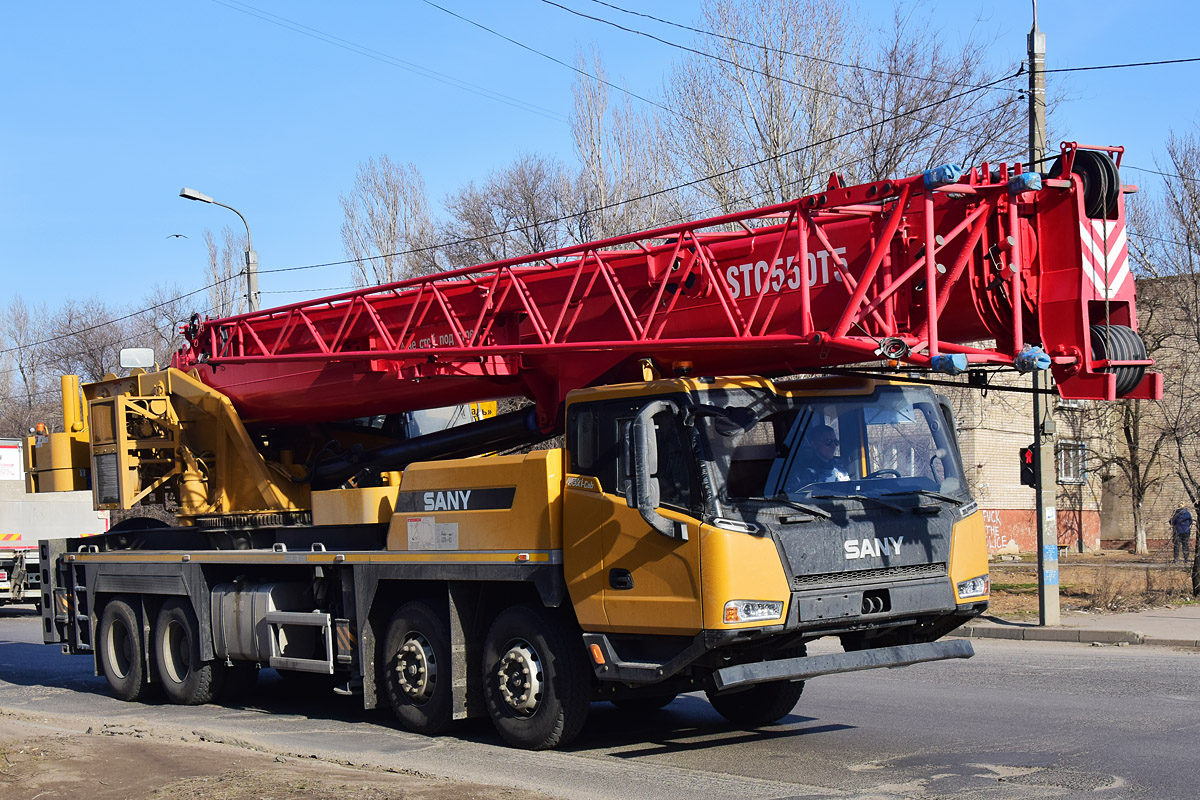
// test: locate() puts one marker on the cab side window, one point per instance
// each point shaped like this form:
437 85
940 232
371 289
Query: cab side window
600 435
676 466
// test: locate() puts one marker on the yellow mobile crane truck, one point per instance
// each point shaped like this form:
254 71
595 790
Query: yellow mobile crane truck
694 531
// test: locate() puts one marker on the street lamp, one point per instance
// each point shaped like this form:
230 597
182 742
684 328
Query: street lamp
251 256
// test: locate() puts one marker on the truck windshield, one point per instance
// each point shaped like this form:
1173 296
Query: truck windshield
893 441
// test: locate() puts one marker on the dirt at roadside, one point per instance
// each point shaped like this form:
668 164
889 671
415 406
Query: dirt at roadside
40 762
1097 582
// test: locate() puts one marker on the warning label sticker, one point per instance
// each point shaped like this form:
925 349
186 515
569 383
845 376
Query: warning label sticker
426 533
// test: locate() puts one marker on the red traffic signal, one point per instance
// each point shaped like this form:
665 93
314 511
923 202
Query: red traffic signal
1028 474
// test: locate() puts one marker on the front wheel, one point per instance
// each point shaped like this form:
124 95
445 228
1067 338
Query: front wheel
759 705
763 703
122 657
186 679
535 680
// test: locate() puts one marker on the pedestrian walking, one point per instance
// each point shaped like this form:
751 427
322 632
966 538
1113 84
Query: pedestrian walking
1181 532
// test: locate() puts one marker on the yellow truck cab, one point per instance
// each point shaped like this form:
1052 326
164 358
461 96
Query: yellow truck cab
697 521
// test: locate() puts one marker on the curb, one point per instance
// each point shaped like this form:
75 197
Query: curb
1031 633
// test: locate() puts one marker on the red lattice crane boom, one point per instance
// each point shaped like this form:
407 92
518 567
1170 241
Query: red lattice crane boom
831 279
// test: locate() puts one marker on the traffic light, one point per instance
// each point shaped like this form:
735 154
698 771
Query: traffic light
1028 475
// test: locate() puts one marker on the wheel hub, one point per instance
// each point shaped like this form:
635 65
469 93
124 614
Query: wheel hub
416 668
520 677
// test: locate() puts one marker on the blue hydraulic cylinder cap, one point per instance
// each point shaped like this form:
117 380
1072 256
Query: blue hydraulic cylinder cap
1031 358
1025 182
954 364
944 175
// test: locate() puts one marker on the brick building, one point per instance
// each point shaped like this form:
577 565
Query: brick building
993 427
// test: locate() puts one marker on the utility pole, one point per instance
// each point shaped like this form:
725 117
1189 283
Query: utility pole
1044 464
1037 94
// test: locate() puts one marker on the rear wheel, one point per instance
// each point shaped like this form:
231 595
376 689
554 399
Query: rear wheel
186 679
417 669
122 657
536 680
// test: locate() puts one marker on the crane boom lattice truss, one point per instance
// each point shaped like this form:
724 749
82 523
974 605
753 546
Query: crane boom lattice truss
906 270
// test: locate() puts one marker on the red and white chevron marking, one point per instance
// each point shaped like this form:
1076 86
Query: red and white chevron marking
1105 255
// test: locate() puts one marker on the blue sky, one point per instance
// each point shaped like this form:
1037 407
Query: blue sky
110 108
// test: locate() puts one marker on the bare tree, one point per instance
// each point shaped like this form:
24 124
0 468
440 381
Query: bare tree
387 227
919 105
226 271
28 395
1135 451
519 210
1168 243
159 324
758 121
624 169
85 339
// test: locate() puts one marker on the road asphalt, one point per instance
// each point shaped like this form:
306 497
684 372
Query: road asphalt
1172 626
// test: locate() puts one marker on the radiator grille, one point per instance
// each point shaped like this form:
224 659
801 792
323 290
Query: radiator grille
884 575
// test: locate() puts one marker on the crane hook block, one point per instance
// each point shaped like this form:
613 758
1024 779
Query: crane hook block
944 175
954 364
1031 358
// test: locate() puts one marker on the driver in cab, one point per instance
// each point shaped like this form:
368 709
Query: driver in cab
817 459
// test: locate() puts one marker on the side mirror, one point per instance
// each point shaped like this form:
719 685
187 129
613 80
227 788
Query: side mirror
642 491
948 414
137 358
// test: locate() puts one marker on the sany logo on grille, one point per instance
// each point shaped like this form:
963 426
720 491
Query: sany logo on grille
1105 255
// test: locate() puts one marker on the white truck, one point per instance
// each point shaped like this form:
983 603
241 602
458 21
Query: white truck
26 519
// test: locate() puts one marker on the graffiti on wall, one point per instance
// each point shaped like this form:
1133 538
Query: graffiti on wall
1011 530
993 527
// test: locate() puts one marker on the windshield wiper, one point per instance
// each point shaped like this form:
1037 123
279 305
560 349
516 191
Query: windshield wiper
861 498
807 509
927 493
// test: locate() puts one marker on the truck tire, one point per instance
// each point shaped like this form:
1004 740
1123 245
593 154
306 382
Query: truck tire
417 670
186 679
759 705
762 703
535 679
122 658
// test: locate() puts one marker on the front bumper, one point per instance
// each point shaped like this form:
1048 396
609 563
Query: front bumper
805 667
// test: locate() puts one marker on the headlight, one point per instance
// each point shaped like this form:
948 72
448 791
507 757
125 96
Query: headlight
752 610
976 587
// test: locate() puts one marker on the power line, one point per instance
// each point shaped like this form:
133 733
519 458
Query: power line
560 62
752 70
1163 174
131 315
390 60
1125 66
806 56
465 240
311 291
637 198
49 360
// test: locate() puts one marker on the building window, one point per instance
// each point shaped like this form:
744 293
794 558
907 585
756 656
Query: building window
1072 461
